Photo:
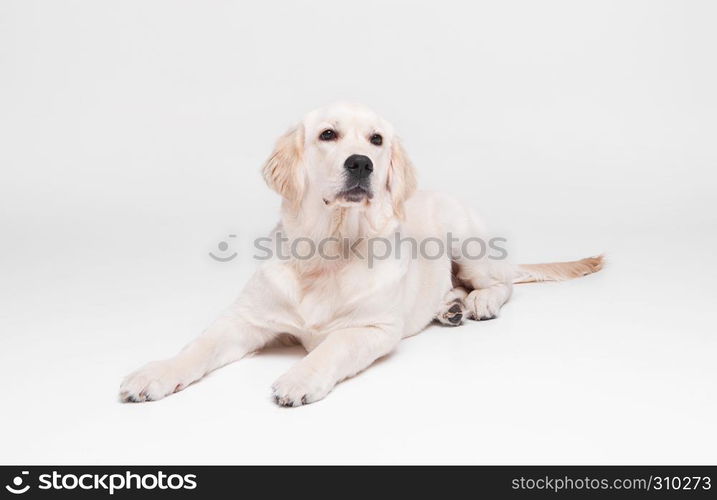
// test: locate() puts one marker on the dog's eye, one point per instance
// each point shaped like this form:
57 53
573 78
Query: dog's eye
376 139
328 135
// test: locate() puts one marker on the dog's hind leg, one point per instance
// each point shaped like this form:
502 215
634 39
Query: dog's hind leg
453 308
491 286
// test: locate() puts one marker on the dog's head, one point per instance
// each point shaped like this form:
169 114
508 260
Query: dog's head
342 155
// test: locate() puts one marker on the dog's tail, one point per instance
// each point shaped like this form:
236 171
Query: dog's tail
558 271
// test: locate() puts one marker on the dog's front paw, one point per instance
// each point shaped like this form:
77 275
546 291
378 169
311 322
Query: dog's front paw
296 388
151 382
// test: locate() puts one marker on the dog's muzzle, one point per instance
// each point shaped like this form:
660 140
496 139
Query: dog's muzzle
357 186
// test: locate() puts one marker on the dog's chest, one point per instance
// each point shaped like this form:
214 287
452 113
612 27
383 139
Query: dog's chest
353 295
326 299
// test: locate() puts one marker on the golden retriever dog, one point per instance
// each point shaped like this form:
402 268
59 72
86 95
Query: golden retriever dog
346 184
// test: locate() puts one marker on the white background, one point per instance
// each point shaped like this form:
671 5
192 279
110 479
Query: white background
131 136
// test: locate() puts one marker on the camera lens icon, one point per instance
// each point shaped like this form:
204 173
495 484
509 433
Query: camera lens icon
17 488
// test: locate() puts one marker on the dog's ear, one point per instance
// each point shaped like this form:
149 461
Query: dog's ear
401 181
282 171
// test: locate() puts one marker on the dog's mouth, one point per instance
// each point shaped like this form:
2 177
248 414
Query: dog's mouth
356 194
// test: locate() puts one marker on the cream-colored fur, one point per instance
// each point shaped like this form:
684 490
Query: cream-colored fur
347 312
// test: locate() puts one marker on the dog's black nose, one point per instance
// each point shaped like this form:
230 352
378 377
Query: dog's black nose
359 165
